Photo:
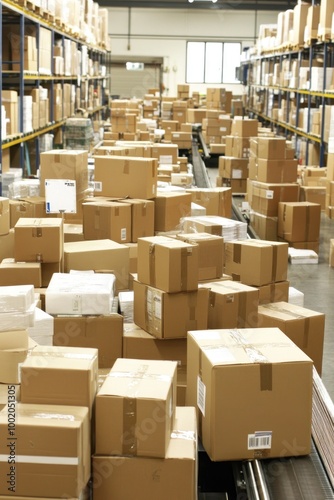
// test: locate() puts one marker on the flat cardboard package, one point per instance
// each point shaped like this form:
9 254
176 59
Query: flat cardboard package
211 254
299 221
168 264
121 176
137 343
54 443
169 315
60 376
216 201
231 375
107 220
104 333
140 397
38 240
306 328
170 208
174 476
269 261
231 304
99 255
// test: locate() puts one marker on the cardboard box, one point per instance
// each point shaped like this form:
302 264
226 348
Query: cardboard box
170 208
4 215
38 240
238 186
168 264
80 293
217 201
300 12
231 304
138 344
299 221
33 207
266 370
174 475
169 315
57 375
142 218
237 147
109 220
64 164
269 261
73 232
121 177
244 127
303 326
9 99
141 397
314 194
55 443
20 273
166 154
99 255
266 197
14 347
211 254
274 292
233 168
99 332
265 227
276 171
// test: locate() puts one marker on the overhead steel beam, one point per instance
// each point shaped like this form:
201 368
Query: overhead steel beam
197 4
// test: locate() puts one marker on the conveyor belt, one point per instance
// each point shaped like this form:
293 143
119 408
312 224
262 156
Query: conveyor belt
293 478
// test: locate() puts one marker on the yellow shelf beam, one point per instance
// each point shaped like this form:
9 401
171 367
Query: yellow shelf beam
31 135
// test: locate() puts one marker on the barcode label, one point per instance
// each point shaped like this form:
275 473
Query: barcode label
97 186
123 234
201 395
260 441
269 194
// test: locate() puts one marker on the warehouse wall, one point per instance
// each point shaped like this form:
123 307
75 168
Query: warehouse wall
164 33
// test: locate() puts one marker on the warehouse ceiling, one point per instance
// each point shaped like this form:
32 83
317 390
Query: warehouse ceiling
275 5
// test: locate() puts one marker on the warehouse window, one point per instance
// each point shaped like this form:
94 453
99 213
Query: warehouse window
212 62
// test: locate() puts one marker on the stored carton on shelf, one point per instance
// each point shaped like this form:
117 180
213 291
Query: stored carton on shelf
169 315
303 326
168 264
173 476
141 397
54 442
265 369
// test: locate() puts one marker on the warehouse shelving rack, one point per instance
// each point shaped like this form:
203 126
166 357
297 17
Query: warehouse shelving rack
18 13
271 96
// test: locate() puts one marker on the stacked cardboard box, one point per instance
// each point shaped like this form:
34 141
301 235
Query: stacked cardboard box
216 126
219 98
216 201
299 224
179 111
169 210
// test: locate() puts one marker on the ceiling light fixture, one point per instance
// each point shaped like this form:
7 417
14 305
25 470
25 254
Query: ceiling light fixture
212 1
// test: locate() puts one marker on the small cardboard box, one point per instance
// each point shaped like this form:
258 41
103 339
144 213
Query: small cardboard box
304 327
314 194
38 240
244 127
104 333
60 376
274 292
251 369
276 171
168 264
170 208
211 254
121 176
107 220
33 207
20 273
231 304
99 255
138 344
233 168
171 477
4 215
299 221
140 395
271 148
166 154
216 201
54 443
169 315
14 346
142 218
265 227
269 261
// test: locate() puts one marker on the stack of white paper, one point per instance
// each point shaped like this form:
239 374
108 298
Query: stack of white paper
43 329
302 256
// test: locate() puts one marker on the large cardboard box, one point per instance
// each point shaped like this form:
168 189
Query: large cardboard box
231 374
211 253
270 148
174 476
303 326
64 164
54 443
104 333
269 261
121 176
140 397
244 127
169 315
20 273
4 215
60 375
266 197
299 221
217 201
231 304
265 227
314 194
142 218
38 240
99 255
170 208
107 220
138 344
168 264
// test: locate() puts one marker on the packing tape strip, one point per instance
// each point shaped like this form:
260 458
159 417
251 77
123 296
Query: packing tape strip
129 440
186 435
152 275
237 253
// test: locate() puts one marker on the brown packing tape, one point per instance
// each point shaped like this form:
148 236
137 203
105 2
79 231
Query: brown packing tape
307 223
235 277
126 168
212 299
242 308
152 275
272 292
237 253
129 441
144 209
184 268
274 263
116 211
266 376
307 328
36 232
191 323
